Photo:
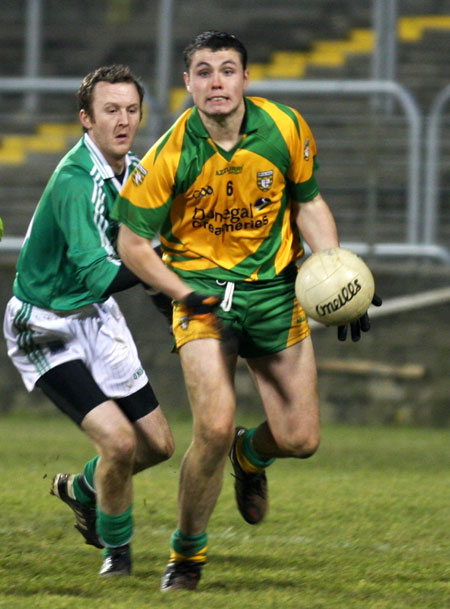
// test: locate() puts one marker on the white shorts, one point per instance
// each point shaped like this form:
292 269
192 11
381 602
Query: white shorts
39 339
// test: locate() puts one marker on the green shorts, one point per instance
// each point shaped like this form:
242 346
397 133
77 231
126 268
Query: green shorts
262 316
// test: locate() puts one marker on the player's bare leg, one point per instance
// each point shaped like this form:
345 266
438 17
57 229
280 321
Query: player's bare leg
115 440
287 383
110 485
80 491
154 440
209 382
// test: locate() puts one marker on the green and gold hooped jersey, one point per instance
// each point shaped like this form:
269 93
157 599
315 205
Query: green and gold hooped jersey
222 214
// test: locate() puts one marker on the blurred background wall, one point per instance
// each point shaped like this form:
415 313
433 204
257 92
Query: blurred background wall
371 78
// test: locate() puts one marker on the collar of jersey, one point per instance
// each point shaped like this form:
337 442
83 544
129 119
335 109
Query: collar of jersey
250 122
99 160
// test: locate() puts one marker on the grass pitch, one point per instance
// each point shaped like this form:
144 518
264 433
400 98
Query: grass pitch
361 525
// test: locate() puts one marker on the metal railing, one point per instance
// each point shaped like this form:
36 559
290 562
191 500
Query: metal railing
432 147
369 88
417 243
69 85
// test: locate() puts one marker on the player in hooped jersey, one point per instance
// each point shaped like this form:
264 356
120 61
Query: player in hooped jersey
231 191
65 332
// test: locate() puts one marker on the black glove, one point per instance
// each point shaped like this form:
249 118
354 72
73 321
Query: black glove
358 325
200 304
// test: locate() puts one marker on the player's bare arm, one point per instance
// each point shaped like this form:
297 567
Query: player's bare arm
138 255
316 223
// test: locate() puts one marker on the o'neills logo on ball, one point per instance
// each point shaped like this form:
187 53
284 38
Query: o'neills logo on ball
343 297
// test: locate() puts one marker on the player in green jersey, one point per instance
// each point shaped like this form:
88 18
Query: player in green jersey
231 190
66 334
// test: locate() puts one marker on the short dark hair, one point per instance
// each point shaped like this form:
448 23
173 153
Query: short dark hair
214 40
112 74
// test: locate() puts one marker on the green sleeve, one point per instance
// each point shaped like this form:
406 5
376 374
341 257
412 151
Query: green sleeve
81 212
306 191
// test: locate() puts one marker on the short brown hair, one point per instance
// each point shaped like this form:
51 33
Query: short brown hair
216 41
112 74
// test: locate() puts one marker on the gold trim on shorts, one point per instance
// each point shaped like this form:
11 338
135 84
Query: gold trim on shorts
189 327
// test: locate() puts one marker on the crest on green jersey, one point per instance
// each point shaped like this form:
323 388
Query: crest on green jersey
264 179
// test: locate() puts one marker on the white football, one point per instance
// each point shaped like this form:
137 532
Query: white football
334 286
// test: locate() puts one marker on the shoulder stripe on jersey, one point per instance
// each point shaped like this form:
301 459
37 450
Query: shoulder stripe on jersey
173 133
98 201
290 113
281 115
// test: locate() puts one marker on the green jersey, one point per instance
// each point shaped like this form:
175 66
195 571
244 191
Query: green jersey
225 214
68 258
